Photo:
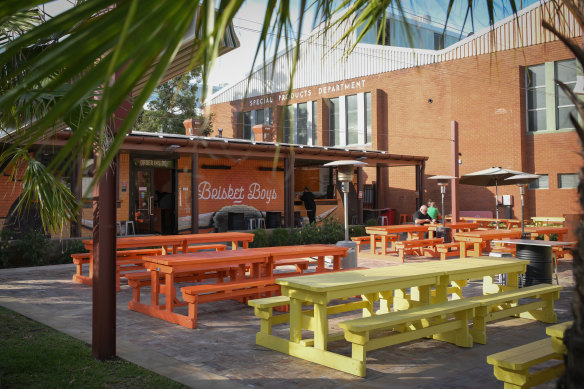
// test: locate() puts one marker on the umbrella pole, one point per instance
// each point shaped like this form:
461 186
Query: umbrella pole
521 190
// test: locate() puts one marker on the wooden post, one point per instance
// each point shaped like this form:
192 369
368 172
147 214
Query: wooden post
289 191
454 183
195 192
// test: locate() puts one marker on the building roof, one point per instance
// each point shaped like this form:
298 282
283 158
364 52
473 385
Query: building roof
517 31
243 148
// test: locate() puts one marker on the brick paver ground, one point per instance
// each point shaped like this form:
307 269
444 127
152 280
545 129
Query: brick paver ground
222 351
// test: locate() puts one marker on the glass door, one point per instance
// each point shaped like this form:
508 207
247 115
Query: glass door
144 201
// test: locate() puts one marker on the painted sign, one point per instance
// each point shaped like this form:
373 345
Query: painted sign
249 183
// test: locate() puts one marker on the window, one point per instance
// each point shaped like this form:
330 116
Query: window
288 124
350 120
541 183
314 123
352 113
247 125
302 126
566 73
368 118
251 118
568 180
334 122
536 107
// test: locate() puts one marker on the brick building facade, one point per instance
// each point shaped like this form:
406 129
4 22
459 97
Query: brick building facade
485 83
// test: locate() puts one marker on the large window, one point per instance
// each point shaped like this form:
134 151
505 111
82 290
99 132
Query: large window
566 73
536 107
300 123
251 118
350 120
548 107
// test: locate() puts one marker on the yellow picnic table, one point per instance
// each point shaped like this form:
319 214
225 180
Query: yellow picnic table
387 283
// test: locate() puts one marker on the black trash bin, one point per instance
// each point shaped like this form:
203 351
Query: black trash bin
235 221
273 219
445 233
539 269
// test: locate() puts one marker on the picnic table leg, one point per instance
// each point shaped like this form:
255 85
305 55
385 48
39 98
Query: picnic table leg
401 300
384 244
154 288
462 250
385 301
421 294
321 326
372 243
296 320
91 267
320 264
337 262
370 298
244 244
170 292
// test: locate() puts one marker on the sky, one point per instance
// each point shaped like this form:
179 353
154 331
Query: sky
234 66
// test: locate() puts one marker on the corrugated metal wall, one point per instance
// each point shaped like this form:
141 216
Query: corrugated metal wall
321 63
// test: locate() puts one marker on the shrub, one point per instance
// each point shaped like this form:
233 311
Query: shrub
280 237
357 231
30 249
371 222
260 238
332 231
310 234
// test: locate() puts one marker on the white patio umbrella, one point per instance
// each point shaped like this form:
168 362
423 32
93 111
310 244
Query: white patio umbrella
494 176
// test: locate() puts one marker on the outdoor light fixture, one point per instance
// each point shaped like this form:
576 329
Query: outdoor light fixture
579 87
442 182
522 180
346 173
171 148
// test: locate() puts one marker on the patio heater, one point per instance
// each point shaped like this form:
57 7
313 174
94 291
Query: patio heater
522 180
442 182
346 173
345 176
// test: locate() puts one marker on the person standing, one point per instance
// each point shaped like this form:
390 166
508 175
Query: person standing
433 211
308 198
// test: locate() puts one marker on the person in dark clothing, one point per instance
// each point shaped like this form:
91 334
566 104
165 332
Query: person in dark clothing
421 217
308 198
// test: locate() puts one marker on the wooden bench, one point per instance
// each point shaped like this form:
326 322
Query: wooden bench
428 320
450 249
137 280
205 293
364 240
499 305
513 366
263 308
404 247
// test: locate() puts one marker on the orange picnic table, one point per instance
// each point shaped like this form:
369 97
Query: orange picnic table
482 238
383 232
454 227
320 251
486 222
168 244
179 242
164 270
547 232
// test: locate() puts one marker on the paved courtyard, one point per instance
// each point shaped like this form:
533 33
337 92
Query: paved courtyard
222 351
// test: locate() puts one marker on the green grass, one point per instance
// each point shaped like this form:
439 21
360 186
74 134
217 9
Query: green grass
33 355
